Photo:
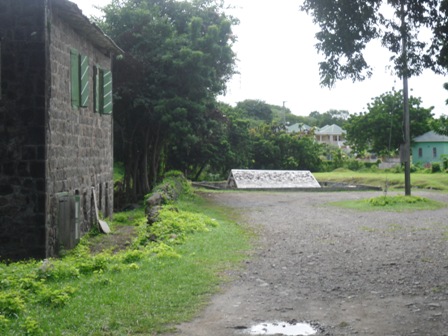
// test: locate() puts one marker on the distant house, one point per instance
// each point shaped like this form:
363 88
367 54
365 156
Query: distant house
298 128
55 126
331 135
429 147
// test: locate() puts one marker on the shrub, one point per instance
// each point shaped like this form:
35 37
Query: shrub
55 297
371 165
100 262
132 256
3 322
390 200
57 270
31 327
444 159
175 225
11 304
354 165
396 169
435 167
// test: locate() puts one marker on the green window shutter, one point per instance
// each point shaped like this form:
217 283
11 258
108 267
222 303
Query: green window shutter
107 92
74 78
98 91
84 73
95 89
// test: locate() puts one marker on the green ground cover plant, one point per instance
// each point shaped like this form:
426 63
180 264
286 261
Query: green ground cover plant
397 203
163 277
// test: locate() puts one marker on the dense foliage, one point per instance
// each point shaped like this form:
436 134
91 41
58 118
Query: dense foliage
178 59
440 125
347 26
380 129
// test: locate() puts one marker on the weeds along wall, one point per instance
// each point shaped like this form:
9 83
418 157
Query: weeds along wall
55 151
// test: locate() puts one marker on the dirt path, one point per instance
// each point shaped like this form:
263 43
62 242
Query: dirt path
352 273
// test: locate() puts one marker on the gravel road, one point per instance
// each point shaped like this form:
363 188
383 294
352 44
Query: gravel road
348 272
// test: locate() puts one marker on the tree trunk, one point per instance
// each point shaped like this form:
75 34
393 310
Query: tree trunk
145 183
196 177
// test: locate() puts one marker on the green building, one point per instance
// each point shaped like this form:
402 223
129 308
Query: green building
429 147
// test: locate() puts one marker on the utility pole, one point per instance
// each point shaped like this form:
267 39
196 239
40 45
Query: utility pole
406 149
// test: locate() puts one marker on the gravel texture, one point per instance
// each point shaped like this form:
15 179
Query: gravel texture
349 272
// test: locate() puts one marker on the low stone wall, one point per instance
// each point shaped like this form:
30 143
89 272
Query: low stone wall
165 193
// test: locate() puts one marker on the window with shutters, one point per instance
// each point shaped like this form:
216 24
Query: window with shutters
79 79
103 90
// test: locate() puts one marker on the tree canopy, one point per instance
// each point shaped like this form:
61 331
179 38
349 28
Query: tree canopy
178 59
380 129
441 125
255 109
337 117
347 26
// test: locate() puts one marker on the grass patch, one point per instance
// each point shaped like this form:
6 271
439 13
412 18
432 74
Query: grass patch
144 289
438 181
391 203
134 217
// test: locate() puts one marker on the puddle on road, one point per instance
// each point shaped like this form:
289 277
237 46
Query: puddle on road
282 328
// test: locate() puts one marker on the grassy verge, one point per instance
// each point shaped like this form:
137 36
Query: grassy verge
142 290
391 203
436 181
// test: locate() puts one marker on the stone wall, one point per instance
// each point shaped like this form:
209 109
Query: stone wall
22 129
51 155
79 141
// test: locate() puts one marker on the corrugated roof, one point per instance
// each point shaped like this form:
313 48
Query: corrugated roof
330 129
431 136
298 127
71 14
271 179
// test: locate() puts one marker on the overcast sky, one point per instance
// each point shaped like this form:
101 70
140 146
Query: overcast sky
277 62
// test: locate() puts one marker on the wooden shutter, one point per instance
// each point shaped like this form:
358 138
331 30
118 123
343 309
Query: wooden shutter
74 77
98 90
107 92
84 73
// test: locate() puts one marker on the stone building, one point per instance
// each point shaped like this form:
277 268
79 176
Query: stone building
55 126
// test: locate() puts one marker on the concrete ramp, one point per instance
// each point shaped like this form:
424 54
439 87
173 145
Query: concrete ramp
271 179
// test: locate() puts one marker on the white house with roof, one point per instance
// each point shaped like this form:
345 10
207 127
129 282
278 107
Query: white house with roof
332 135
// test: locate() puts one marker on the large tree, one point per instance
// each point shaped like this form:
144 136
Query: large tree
347 26
178 59
380 129
273 148
337 117
440 125
255 110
